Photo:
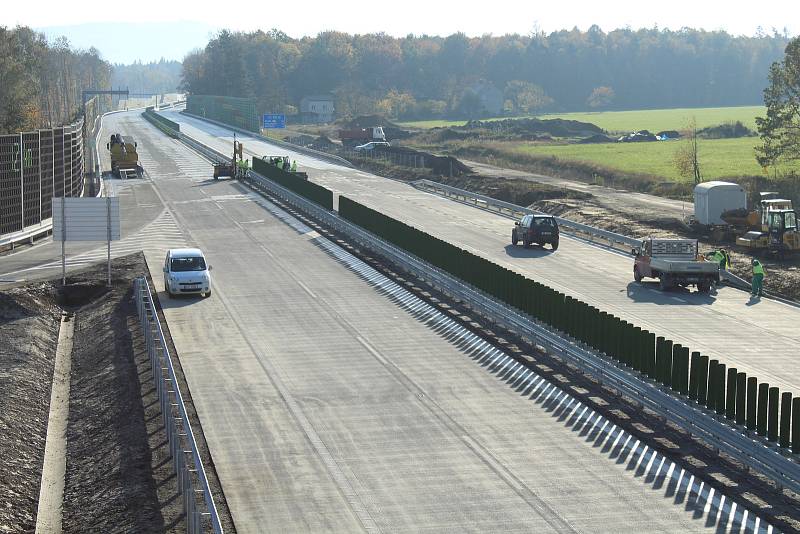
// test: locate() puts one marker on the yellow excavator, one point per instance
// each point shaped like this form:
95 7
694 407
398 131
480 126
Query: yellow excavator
775 230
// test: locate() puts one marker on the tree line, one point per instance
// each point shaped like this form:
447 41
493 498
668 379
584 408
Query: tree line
41 82
154 77
427 76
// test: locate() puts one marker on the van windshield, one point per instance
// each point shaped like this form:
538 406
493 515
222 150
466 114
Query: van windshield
195 263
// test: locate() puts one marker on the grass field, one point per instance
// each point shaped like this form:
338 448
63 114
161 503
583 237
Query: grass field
646 119
718 157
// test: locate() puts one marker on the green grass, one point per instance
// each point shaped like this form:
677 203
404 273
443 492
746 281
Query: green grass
718 157
625 121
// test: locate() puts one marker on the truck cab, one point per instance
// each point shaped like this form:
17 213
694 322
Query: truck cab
539 229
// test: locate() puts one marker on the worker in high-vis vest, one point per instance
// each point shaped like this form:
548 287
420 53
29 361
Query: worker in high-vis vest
294 165
758 278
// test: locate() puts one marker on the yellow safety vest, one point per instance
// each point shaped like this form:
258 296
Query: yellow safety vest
758 269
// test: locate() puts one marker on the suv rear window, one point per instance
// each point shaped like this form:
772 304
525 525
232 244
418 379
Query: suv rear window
544 221
195 263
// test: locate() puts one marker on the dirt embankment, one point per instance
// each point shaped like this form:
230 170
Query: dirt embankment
119 476
119 472
29 324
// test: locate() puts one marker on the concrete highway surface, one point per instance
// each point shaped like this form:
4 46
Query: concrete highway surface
333 400
758 337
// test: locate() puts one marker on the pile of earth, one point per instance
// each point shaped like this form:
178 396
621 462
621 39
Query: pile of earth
726 130
645 135
450 134
597 138
535 128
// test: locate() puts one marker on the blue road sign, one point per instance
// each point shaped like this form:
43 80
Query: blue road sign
274 120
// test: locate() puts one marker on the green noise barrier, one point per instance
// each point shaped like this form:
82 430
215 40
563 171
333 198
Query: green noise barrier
313 192
167 126
708 382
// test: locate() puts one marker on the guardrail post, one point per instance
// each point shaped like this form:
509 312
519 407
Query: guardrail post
741 389
763 396
752 387
786 419
730 396
772 417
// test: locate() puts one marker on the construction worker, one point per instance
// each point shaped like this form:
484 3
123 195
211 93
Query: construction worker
294 165
727 265
718 257
758 278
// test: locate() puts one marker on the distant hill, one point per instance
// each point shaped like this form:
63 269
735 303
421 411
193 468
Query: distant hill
127 42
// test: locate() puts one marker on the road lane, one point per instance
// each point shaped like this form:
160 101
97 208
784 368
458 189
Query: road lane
328 406
757 337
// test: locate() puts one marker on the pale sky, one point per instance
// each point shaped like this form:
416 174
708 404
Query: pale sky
400 18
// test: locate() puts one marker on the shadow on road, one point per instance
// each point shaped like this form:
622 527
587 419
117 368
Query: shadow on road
521 252
680 296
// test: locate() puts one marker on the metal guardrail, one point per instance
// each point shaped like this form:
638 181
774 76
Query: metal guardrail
742 445
188 464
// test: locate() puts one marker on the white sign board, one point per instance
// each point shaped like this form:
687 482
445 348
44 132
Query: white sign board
87 219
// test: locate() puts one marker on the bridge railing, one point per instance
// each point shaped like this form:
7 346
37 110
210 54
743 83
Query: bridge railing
201 515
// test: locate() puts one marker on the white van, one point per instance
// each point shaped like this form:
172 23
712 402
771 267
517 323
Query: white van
186 272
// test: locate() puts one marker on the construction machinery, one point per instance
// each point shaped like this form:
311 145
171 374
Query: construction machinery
124 159
775 230
235 168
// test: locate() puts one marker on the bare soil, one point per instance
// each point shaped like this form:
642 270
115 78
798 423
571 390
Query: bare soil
29 324
119 472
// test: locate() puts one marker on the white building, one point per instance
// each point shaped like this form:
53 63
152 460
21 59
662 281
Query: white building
316 109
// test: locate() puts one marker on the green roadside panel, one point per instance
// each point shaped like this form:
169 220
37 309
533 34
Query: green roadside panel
763 399
786 419
730 394
772 416
752 403
741 396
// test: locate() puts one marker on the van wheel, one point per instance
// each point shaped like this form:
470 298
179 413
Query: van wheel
166 290
514 240
637 275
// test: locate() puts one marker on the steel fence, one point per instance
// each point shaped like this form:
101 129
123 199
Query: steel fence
201 513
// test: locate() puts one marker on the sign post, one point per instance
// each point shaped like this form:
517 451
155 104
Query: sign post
85 219
274 120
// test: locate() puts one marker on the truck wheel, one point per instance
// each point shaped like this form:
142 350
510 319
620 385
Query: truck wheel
664 283
704 287
637 275
514 240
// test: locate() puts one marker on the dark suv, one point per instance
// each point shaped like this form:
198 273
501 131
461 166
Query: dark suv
539 229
